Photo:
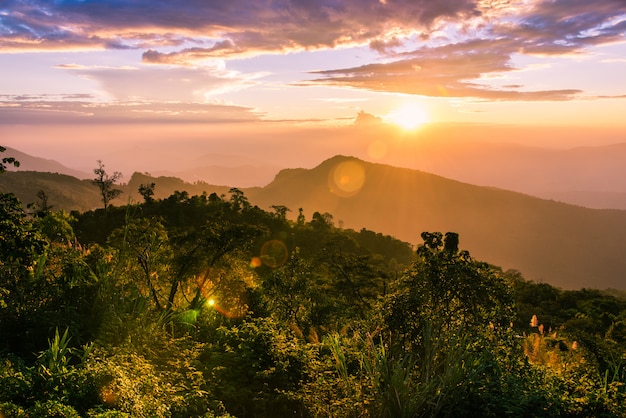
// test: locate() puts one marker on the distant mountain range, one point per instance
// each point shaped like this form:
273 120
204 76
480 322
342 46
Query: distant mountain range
210 168
588 176
564 245
30 163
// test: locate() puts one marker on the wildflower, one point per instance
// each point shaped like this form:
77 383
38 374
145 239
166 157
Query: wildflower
534 321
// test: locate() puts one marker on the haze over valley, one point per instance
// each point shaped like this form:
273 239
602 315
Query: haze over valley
565 245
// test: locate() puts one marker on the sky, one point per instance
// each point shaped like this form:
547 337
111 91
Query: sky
148 84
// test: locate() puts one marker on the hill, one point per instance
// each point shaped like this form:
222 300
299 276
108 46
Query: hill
565 245
63 191
44 165
592 176
69 193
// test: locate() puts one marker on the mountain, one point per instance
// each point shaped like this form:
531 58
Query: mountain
69 193
565 245
165 186
30 163
240 175
592 176
63 191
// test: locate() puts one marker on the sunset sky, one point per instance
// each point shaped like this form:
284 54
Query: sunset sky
248 76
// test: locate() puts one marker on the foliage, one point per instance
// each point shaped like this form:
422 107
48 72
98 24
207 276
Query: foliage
147 191
256 368
207 306
7 160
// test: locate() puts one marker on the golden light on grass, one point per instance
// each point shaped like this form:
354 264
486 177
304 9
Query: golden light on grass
409 116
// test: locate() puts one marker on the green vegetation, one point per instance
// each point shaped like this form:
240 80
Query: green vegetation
208 306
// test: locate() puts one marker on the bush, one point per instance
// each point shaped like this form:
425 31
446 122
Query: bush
52 409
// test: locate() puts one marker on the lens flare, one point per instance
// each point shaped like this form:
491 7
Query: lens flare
255 262
274 253
346 179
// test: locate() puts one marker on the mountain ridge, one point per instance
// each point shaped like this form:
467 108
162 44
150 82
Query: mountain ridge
565 245
545 240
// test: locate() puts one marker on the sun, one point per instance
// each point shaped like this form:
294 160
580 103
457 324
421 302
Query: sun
409 116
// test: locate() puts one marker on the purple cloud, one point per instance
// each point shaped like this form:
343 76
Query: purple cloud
274 25
179 32
549 28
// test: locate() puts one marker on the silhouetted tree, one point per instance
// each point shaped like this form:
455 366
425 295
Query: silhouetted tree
147 191
238 200
281 211
106 184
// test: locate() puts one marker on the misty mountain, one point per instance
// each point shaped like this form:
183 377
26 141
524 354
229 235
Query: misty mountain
589 176
212 168
238 175
30 163
564 245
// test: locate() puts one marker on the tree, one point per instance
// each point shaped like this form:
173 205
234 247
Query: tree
449 320
446 291
7 160
144 242
147 191
281 211
105 184
200 250
238 200
42 207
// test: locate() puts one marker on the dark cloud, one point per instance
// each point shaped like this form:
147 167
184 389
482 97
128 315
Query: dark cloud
248 25
565 26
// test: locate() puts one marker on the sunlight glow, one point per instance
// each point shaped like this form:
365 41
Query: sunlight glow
346 179
409 116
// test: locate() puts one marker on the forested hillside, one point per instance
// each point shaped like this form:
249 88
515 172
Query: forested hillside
207 305
568 246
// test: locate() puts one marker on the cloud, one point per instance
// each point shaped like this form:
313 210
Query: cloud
445 71
565 26
245 26
164 83
459 69
219 49
233 27
77 109
447 47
